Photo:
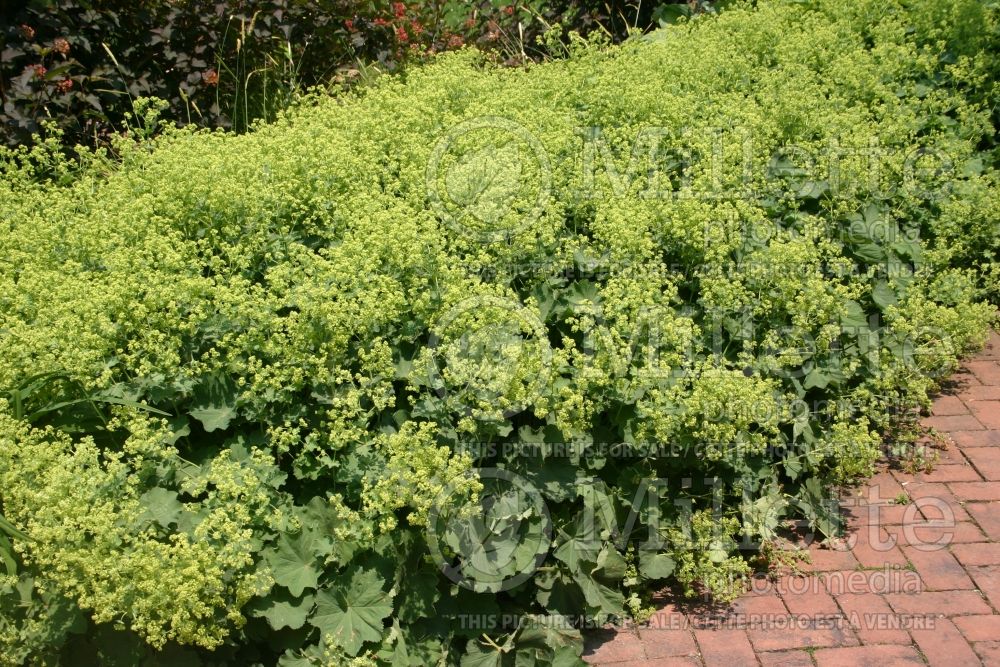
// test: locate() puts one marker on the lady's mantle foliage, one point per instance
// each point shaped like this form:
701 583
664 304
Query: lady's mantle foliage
248 379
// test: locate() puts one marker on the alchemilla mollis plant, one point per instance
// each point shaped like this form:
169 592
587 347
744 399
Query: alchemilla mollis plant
442 371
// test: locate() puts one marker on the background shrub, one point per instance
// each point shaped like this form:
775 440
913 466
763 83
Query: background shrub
81 63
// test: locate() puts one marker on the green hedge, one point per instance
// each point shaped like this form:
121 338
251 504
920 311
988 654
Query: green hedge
444 371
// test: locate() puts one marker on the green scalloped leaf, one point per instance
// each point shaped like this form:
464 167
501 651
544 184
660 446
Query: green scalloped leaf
351 610
293 562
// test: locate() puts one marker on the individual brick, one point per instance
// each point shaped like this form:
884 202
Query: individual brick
944 603
725 648
872 618
938 569
979 628
943 645
868 656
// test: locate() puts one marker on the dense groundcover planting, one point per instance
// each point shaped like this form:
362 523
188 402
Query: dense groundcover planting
443 371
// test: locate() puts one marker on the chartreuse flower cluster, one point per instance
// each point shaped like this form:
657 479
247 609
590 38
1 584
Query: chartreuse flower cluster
278 397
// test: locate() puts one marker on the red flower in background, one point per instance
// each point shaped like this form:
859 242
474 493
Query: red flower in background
349 24
60 45
40 70
65 85
381 22
509 10
399 9
27 31
211 78
401 35
455 41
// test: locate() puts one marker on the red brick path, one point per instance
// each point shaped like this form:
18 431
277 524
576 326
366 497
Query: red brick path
912 584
